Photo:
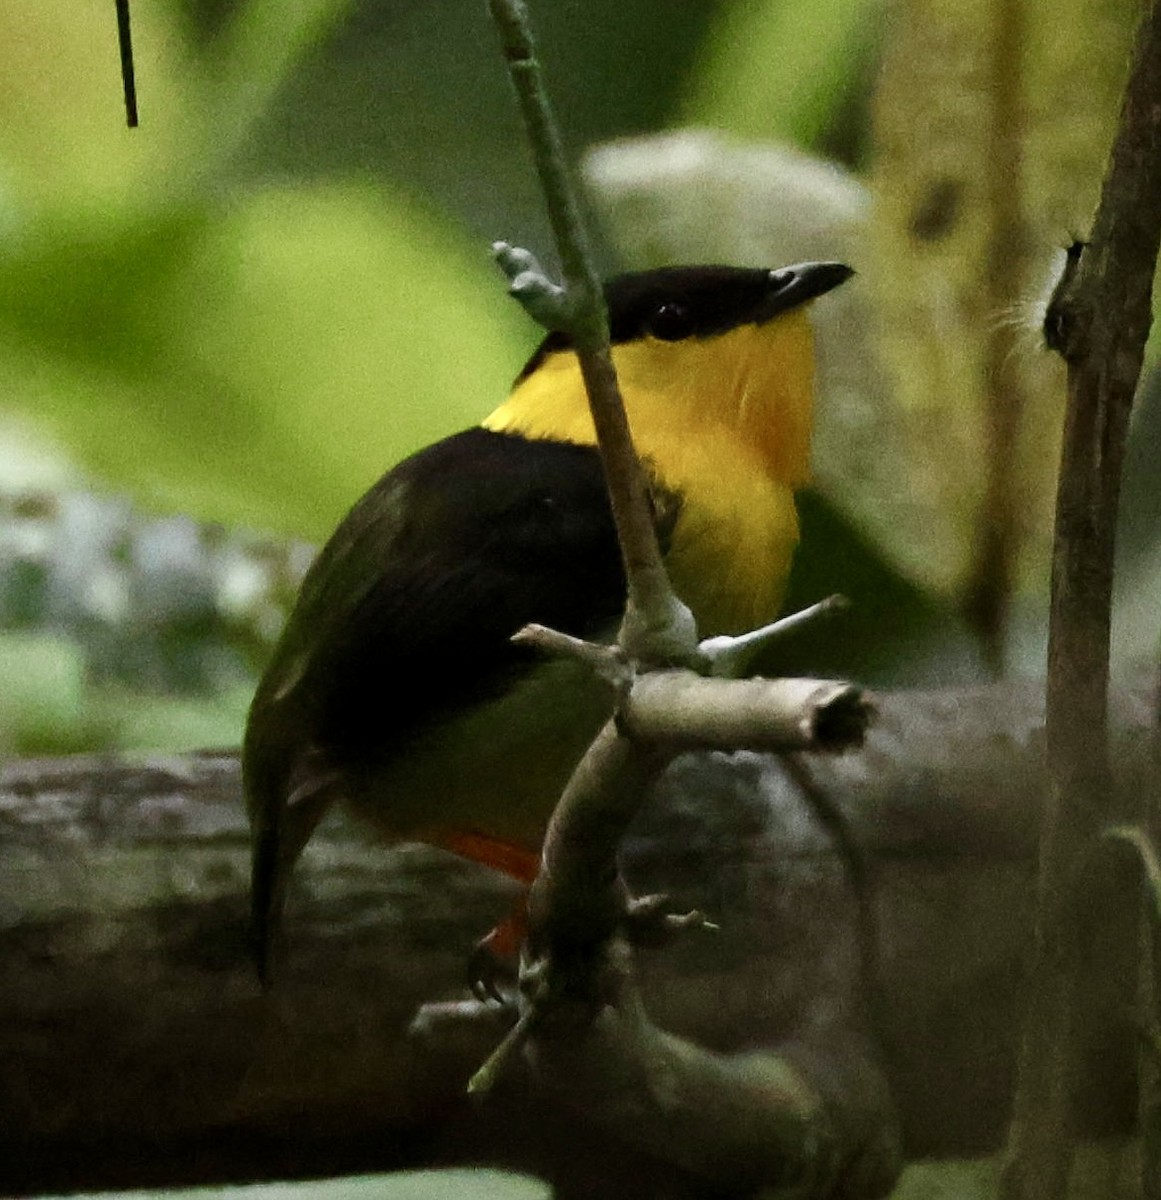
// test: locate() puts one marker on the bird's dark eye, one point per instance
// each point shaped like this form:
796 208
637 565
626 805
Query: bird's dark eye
670 322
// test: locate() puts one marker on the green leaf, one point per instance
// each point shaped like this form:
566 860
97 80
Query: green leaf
773 69
261 364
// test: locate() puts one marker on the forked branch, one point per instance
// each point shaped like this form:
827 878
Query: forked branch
579 1020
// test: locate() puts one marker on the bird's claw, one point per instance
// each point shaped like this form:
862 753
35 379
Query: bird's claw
491 971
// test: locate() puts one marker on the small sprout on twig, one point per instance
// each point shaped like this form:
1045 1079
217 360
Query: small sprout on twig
484 1079
728 657
650 922
607 662
546 302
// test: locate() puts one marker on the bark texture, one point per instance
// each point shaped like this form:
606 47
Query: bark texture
137 1048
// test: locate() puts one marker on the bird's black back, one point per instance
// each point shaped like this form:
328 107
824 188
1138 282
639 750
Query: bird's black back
407 614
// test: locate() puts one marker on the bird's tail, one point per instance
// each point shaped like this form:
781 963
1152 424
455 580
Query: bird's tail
285 808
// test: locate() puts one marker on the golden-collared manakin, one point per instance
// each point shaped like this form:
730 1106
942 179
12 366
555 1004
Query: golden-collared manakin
395 686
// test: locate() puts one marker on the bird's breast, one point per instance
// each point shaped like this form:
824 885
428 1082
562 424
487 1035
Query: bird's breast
733 542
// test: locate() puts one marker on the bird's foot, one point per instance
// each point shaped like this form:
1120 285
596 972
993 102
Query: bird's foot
492 968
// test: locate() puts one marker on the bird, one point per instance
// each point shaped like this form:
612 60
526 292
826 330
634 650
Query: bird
395 687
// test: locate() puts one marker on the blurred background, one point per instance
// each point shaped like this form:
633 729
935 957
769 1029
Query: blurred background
218 329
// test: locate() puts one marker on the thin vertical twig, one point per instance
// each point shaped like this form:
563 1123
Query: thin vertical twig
1098 320
128 74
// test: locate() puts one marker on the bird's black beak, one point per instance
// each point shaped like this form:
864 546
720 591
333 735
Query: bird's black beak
792 286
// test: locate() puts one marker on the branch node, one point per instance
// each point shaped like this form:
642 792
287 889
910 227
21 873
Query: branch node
545 301
729 657
1060 325
607 662
649 921
661 633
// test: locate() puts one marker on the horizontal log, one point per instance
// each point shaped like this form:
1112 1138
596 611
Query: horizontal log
137 1048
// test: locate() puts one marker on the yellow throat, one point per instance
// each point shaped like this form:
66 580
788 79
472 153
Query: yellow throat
723 422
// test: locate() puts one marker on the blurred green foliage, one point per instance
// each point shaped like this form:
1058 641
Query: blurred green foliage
776 71
251 305
279 285
245 353
253 361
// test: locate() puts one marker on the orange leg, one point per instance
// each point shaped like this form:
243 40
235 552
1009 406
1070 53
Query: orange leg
501 946
517 862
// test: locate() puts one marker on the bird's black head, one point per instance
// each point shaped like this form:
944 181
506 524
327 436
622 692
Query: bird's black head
674 303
